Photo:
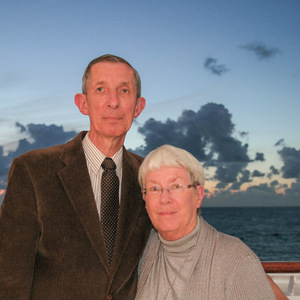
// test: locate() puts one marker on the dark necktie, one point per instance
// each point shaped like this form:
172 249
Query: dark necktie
109 205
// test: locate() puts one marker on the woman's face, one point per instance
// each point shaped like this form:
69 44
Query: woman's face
173 215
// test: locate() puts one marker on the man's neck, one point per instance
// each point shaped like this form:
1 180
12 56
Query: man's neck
108 146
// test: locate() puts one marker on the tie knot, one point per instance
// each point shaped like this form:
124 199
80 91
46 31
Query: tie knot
108 164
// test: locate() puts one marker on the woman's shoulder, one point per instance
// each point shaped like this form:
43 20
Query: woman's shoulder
226 245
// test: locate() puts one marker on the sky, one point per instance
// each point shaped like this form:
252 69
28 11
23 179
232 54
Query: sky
221 79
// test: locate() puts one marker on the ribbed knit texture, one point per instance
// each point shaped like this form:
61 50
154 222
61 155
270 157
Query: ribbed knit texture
223 268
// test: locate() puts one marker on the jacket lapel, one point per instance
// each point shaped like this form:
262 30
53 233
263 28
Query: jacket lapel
76 182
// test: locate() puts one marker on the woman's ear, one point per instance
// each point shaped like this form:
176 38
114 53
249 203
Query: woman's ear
200 194
81 103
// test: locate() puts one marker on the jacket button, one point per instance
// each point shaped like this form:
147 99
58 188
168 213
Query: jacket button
109 297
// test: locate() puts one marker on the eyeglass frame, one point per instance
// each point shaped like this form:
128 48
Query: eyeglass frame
144 190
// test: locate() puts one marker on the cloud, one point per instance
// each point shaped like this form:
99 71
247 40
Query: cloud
258 195
274 183
259 156
243 134
4 167
280 143
211 65
257 173
37 136
42 136
273 171
291 161
207 134
22 127
228 172
261 50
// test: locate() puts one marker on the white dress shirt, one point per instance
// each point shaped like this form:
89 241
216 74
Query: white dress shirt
94 158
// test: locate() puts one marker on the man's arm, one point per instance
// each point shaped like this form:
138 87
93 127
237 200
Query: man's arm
18 234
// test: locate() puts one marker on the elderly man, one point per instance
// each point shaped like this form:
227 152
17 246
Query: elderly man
60 237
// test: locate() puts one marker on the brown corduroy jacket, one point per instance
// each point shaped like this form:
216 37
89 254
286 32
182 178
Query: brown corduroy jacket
51 242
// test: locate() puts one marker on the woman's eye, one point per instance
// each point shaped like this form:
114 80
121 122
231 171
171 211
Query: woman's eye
154 188
176 186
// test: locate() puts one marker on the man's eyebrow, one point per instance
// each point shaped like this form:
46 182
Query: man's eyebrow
125 83
99 82
120 83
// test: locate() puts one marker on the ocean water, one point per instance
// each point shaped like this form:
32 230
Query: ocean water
273 233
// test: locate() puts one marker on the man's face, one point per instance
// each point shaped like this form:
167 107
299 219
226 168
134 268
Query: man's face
110 100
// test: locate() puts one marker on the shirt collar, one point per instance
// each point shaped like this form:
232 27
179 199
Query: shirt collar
95 157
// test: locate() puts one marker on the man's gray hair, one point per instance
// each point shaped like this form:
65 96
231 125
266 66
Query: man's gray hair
113 59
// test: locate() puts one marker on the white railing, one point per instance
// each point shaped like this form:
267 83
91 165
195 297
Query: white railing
287 276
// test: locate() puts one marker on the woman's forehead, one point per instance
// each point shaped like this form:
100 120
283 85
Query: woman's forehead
166 173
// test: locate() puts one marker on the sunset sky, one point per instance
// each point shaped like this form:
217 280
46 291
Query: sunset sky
221 78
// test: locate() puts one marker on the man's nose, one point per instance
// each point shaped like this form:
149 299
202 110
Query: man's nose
113 99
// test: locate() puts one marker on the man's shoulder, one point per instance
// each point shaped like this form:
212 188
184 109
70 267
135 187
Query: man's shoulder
52 151
132 156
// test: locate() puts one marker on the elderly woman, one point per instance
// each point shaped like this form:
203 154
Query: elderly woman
185 257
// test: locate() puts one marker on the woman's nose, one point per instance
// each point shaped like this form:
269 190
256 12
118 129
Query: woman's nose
165 196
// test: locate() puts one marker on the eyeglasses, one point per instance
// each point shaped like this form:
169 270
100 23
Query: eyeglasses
173 189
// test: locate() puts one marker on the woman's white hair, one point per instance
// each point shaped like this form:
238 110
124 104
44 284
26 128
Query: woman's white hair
170 156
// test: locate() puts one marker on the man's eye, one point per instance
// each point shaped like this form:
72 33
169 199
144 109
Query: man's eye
125 91
100 89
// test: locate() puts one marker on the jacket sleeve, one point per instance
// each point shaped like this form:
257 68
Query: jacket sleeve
19 234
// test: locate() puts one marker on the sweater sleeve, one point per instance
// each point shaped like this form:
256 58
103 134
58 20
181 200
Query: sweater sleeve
247 279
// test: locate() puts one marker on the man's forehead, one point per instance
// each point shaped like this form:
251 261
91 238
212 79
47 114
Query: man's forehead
111 67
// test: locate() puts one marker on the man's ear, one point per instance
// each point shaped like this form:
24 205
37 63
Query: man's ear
200 194
80 101
140 105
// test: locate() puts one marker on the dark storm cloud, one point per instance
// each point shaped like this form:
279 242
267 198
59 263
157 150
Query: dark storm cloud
294 191
273 171
279 143
42 136
274 183
22 127
259 156
245 176
261 50
38 136
233 172
207 134
212 65
257 173
291 162
243 134
5 161
228 172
